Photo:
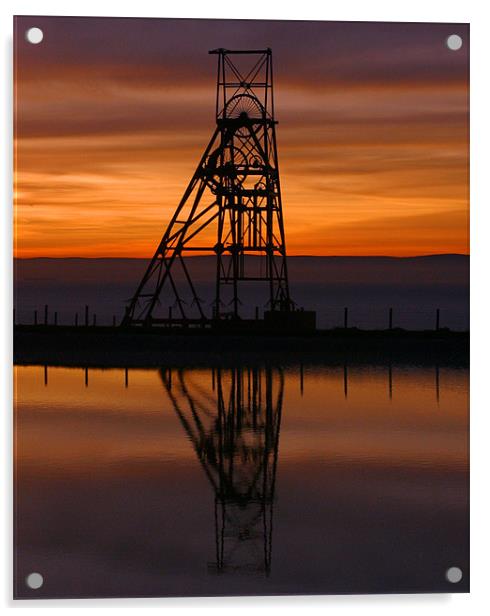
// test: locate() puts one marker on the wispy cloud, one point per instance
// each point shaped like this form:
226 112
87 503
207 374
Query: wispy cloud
112 116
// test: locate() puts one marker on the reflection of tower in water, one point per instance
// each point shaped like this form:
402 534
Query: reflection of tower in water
234 427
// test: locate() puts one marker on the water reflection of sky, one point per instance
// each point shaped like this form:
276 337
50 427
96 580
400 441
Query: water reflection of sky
370 489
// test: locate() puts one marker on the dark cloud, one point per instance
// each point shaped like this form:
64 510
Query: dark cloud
176 49
113 111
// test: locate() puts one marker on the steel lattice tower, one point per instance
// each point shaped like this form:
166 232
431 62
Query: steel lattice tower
231 208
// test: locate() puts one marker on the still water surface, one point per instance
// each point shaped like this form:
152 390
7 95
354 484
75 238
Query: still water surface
246 480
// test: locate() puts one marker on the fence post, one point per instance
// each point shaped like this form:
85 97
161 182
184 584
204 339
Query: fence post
56 317
256 313
170 314
76 319
346 317
86 316
390 319
45 314
114 320
35 317
438 314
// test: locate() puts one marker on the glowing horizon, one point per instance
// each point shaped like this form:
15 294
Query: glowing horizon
373 140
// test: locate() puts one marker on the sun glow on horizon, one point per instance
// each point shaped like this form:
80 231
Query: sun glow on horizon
373 165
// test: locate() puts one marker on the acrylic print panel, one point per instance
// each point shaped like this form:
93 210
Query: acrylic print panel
241 307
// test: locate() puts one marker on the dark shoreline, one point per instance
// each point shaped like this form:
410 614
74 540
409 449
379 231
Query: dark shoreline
116 347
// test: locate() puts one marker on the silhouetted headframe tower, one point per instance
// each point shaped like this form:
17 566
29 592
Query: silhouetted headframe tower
231 208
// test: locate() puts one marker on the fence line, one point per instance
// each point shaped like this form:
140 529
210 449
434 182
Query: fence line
334 318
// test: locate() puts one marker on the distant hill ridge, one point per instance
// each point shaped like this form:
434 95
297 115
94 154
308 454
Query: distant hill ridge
448 255
424 269
412 286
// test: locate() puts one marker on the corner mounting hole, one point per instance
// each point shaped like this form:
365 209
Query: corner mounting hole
454 575
34 580
454 42
34 35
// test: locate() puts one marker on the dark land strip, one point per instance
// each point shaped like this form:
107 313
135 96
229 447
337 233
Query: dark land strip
156 347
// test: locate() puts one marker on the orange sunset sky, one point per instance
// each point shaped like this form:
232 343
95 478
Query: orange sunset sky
112 115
